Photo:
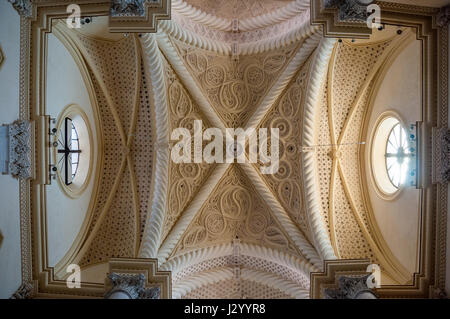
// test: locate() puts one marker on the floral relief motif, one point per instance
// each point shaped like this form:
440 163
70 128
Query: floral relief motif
235 89
234 209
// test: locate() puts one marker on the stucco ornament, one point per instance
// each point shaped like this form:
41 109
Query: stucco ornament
25 291
23 7
133 8
349 10
133 285
20 149
349 288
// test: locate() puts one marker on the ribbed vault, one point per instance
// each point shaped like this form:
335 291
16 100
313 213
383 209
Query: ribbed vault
227 225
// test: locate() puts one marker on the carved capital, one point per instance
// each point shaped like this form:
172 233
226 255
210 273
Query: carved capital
25 291
350 287
138 15
23 7
139 278
443 17
133 285
349 10
441 155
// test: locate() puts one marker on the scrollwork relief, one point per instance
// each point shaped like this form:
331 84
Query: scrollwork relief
287 116
235 89
235 210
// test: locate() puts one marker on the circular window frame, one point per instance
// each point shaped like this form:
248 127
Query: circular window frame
377 161
74 111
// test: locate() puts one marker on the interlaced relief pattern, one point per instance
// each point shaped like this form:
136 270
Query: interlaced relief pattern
185 179
287 116
234 209
234 89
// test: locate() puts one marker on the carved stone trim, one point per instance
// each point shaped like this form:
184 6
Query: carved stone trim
349 287
20 148
441 155
349 10
133 285
138 15
25 291
23 7
443 17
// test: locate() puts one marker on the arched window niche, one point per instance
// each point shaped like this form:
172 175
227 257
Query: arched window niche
391 157
72 150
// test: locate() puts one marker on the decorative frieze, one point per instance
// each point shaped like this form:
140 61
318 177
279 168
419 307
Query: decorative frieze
441 155
16 144
132 285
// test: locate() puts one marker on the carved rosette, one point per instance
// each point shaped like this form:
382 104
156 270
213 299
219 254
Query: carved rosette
20 147
441 155
133 285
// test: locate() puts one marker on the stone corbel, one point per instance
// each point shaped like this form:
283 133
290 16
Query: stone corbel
137 278
441 155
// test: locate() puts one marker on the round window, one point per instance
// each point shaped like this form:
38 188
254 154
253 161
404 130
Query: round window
72 150
390 155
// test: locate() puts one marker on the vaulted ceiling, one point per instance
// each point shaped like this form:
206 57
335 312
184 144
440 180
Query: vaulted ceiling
225 230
